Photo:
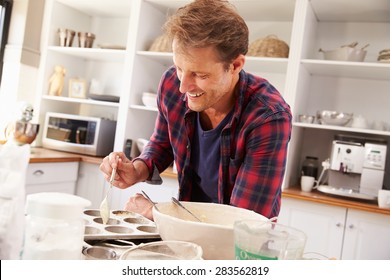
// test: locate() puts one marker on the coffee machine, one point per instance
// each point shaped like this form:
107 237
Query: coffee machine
356 166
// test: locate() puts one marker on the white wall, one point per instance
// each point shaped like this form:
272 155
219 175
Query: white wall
21 59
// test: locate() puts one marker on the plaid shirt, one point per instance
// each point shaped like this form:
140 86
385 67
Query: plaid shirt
253 144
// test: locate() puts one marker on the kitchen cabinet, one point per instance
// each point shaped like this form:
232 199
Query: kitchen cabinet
307 82
338 232
51 177
91 184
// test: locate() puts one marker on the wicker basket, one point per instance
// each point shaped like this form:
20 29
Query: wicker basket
161 44
269 46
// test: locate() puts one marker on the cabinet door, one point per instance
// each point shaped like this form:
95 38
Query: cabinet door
51 177
91 184
323 225
367 236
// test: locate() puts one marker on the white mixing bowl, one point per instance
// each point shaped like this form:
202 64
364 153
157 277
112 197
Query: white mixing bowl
214 234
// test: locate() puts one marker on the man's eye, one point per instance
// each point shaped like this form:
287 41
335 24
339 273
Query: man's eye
202 76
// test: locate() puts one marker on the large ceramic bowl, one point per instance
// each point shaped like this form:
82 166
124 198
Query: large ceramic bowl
334 118
214 234
345 54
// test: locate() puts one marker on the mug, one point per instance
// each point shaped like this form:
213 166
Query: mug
384 199
307 183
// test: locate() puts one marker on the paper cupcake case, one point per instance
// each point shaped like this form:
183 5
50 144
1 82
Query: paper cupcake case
121 225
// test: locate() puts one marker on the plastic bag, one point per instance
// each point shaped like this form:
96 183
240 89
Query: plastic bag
13 165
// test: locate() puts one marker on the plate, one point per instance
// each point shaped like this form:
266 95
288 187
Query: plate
103 97
113 47
345 192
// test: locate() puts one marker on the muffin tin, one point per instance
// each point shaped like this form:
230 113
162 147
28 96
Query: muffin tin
121 225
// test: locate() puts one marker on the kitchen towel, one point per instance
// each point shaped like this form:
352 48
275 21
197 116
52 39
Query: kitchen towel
13 165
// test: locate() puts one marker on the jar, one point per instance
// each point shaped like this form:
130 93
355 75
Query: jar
310 166
54 226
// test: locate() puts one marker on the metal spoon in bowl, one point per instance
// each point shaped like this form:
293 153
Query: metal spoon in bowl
150 200
178 203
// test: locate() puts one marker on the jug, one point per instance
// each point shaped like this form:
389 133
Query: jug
310 166
266 240
54 226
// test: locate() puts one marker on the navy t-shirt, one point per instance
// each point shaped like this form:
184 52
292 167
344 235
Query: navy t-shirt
206 155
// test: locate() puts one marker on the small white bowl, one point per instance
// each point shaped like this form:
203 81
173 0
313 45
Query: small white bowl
141 143
149 99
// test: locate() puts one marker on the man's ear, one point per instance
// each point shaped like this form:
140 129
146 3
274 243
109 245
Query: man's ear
238 63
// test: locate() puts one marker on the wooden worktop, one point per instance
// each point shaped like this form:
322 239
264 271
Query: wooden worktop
41 155
319 197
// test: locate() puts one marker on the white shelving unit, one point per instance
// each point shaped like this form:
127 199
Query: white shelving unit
361 88
107 61
307 82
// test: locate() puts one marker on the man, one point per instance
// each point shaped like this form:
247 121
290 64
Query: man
226 130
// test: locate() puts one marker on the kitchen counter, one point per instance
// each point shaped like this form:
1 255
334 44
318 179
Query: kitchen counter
319 197
41 155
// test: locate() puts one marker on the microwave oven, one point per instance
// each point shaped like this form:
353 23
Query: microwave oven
78 134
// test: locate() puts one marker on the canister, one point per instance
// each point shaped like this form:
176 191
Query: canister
310 166
54 226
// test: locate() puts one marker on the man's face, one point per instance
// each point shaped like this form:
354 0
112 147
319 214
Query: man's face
203 78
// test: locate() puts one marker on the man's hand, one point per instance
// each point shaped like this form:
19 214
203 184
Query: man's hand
139 204
127 172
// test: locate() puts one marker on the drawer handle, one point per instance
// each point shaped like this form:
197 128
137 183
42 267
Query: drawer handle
38 173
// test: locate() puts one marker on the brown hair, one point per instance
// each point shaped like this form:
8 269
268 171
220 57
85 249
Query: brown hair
204 23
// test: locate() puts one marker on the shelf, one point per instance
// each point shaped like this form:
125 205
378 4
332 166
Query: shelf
352 10
164 58
80 101
107 55
117 8
361 70
270 10
143 108
263 64
341 128
266 64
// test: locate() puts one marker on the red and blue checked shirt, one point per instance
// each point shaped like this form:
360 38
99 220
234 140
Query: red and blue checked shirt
253 144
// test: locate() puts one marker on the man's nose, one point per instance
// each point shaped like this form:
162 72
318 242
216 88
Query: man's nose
186 83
